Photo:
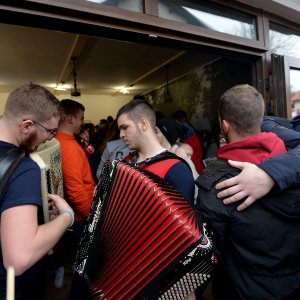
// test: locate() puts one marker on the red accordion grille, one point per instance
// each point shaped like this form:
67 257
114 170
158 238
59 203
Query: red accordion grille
145 226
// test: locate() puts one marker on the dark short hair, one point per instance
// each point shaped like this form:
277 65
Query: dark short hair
243 106
69 107
136 109
170 129
180 115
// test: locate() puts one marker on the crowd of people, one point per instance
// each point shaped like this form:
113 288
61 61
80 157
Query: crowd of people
244 185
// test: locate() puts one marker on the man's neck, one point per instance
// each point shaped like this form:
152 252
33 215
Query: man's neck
148 153
66 130
9 133
235 137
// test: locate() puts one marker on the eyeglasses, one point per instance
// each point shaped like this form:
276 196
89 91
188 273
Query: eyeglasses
53 131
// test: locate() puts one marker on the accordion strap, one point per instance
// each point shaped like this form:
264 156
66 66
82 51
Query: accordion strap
162 156
9 160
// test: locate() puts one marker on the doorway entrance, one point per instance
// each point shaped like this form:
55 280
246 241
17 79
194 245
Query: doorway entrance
111 71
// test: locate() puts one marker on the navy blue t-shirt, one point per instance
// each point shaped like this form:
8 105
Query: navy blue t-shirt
181 177
178 174
24 187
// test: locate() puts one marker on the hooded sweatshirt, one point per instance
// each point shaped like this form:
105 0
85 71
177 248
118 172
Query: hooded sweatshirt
253 149
258 247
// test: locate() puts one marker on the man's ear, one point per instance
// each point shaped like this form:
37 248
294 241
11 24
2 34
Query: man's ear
143 124
70 119
25 126
225 126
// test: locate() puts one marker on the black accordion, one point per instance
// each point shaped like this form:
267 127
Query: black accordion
142 240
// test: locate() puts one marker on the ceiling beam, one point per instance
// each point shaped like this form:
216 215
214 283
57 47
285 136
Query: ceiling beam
145 75
75 51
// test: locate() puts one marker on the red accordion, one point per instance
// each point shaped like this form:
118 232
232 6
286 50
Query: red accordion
142 240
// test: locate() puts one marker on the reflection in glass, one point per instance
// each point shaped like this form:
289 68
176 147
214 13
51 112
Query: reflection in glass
210 16
295 91
284 41
133 5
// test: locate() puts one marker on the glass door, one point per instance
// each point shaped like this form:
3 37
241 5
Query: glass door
285 86
295 91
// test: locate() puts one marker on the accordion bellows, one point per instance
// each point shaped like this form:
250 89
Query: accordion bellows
138 226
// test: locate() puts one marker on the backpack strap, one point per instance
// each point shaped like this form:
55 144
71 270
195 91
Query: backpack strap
8 162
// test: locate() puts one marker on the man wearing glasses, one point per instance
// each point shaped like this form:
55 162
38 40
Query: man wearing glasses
52 132
30 118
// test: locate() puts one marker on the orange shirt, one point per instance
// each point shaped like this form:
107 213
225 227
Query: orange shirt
78 181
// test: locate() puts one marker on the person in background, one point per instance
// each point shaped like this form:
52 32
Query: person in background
214 145
190 137
137 125
169 134
278 173
84 141
259 248
78 181
159 115
112 148
96 128
100 134
90 128
30 118
109 119
79 184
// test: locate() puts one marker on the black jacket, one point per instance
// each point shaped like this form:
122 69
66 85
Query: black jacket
260 246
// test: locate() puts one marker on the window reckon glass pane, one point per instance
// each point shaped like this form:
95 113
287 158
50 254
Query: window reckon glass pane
295 91
284 41
133 5
209 16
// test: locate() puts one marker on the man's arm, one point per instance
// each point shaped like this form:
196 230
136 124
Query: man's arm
23 241
181 177
254 182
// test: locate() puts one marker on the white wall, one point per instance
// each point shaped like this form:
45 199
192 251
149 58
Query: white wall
3 97
96 106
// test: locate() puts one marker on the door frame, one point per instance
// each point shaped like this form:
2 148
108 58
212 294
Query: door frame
289 63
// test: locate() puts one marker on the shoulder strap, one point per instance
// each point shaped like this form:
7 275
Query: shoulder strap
163 156
8 162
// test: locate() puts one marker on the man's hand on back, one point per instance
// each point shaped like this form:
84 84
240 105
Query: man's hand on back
252 183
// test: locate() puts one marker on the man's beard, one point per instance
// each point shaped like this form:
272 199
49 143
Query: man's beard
29 142
137 141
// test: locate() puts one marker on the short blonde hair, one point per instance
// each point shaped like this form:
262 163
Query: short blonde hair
31 99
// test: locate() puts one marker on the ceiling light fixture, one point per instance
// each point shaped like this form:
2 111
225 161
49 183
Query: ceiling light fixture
124 90
60 87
